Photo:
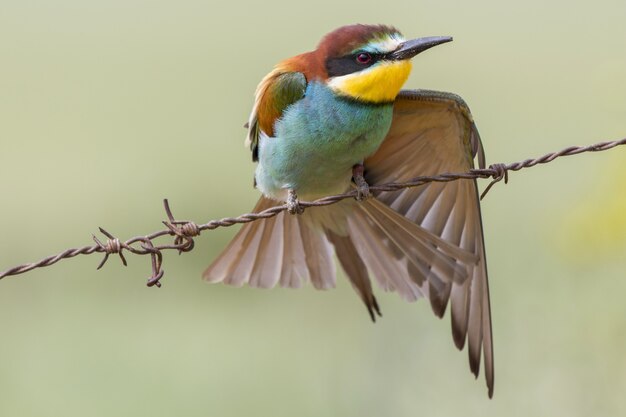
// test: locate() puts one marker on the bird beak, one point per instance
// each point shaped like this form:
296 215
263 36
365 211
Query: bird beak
409 49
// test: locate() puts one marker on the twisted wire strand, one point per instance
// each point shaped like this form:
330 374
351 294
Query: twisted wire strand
184 231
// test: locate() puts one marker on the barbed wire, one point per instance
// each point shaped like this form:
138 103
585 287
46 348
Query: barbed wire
184 231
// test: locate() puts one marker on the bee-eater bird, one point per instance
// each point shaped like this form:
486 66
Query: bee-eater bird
335 118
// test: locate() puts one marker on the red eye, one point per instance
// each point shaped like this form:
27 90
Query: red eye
363 58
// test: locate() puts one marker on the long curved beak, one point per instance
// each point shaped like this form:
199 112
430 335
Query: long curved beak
409 49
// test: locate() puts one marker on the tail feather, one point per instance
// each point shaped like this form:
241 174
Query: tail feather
294 270
368 236
240 272
223 269
269 257
318 256
356 271
283 249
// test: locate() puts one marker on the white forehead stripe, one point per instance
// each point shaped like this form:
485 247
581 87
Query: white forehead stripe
386 44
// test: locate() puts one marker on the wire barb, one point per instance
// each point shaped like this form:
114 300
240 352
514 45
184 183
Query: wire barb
500 172
112 245
184 231
157 260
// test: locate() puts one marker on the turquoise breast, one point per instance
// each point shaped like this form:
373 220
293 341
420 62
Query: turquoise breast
317 142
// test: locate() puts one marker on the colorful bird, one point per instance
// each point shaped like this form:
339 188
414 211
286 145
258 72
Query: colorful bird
335 118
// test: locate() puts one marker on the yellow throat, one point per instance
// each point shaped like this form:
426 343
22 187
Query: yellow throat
378 84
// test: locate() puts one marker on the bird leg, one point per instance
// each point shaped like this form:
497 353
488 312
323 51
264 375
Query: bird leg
362 188
293 205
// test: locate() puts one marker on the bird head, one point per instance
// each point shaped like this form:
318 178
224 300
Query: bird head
369 63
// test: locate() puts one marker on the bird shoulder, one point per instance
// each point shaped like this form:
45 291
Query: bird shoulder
282 87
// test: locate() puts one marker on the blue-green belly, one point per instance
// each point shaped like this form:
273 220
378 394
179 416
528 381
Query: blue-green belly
317 142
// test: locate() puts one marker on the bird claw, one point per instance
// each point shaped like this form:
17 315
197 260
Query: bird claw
362 187
293 204
362 191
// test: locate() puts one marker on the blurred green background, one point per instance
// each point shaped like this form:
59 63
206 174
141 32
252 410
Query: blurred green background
108 107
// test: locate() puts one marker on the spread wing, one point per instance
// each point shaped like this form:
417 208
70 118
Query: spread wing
433 133
279 89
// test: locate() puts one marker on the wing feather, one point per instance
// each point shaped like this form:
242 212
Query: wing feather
432 133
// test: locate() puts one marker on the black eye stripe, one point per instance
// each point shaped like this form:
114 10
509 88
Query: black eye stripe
336 67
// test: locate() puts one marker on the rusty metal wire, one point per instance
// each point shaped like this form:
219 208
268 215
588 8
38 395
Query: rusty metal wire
184 231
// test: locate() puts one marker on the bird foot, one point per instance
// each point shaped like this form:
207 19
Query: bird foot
362 187
293 205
